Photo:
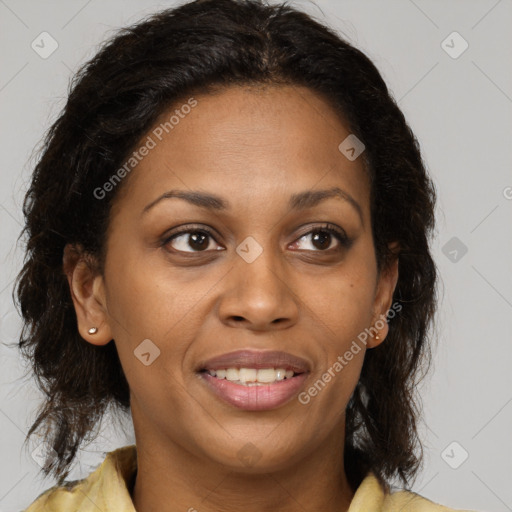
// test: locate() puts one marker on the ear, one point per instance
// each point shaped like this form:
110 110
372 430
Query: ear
383 298
87 289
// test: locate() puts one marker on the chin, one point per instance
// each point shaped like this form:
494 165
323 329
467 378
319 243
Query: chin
254 457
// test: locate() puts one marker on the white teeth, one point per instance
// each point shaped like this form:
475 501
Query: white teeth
269 375
232 374
252 376
248 375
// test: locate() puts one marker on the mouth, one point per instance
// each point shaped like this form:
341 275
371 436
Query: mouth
255 380
252 376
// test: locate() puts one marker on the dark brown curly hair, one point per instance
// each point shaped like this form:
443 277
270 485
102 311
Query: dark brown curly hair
114 99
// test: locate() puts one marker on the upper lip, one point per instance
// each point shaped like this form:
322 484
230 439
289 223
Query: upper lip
256 359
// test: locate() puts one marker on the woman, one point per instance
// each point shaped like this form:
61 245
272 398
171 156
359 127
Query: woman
228 237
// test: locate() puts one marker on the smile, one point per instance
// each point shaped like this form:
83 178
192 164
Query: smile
252 376
254 380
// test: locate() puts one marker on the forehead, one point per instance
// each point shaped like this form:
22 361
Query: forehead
249 144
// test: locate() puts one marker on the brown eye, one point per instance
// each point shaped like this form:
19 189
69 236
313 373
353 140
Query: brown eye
190 240
323 237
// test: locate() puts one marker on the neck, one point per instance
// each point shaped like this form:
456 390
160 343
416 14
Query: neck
171 479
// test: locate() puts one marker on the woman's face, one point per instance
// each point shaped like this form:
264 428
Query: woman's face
266 279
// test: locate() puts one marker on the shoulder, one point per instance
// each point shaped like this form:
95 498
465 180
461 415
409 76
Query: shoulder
371 495
105 487
408 501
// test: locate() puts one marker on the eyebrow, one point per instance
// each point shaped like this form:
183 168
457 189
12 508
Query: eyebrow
299 201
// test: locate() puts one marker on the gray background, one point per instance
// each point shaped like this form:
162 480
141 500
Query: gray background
460 110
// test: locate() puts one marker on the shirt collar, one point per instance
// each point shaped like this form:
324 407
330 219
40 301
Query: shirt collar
111 485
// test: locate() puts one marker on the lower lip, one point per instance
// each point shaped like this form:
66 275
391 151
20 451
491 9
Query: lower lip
255 398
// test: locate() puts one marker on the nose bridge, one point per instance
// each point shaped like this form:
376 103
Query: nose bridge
257 290
259 267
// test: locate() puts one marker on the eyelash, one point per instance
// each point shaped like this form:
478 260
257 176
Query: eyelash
338 233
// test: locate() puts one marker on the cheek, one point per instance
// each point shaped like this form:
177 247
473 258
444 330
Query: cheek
145 299
142 312
341 303
341 306
342 318
147 321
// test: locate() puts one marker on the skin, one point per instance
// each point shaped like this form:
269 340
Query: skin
254 148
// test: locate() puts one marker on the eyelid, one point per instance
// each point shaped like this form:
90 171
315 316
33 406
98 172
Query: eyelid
339 233
325 226
188 228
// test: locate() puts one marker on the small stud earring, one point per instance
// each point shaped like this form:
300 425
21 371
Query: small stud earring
93 330
377 338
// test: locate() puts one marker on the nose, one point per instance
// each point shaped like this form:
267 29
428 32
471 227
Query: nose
259 295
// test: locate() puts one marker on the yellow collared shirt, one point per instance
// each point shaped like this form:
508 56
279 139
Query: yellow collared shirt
108 489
